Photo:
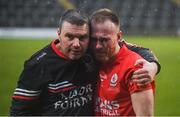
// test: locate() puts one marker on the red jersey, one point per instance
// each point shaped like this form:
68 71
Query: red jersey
114 87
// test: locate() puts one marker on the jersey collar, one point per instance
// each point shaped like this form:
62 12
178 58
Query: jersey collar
56 50
117 58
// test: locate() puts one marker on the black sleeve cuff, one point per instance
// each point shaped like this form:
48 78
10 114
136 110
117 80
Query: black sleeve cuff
158 66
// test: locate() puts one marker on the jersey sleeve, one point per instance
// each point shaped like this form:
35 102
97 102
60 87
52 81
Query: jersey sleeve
145 53
132 86
28 90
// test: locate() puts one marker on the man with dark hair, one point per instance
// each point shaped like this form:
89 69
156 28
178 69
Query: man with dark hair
60 78
116 93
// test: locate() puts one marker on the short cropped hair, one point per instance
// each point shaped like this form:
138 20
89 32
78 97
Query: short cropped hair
104 14
74 17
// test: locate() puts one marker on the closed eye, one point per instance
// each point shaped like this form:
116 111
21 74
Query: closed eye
69 36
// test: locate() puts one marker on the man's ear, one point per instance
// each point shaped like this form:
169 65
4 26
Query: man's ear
58 32
119 34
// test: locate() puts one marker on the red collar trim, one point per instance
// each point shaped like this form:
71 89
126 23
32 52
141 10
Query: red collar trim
56 50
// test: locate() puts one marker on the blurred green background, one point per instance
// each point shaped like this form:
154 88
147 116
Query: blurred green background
13 53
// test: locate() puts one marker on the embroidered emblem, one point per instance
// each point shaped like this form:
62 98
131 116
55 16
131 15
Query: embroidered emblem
114 79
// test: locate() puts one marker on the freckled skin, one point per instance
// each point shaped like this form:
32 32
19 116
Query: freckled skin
109 34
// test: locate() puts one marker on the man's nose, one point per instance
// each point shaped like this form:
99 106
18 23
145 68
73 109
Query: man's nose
76 42
98 45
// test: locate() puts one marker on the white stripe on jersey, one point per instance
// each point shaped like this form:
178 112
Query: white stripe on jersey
61 83
26 91
62 86
25 94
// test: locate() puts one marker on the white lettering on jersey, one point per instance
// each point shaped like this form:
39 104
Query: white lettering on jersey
41 56
107 107
75 98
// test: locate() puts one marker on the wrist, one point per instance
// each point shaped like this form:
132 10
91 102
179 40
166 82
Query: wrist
156 67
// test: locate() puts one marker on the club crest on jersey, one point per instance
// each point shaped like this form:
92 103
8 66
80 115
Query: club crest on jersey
114 80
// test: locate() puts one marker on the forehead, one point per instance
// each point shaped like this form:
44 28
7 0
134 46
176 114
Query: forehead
73 28
104 28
